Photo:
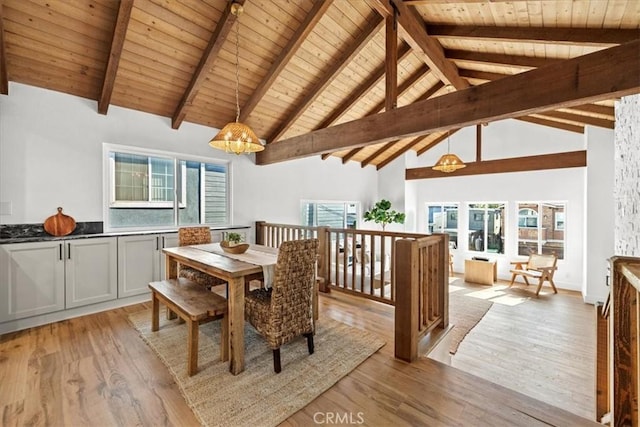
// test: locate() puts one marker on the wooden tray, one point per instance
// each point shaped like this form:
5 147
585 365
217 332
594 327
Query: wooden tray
59 224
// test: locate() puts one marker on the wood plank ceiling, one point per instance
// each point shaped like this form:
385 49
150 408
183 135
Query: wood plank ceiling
305 65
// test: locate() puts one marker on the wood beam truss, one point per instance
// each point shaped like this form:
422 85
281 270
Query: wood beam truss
117 42
597 76
217 40
585 36
306 27
374 25
571 159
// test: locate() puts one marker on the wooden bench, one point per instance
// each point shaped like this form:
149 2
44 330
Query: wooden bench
538 266
194 304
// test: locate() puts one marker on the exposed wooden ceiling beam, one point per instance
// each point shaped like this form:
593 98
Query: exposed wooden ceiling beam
405 86
497 58
400 152
426 47
585 36
571 159
482 75
596 109
119 33
552 123
436 141
350 155
373 26
597 76
431 91
379 151
4 80
306 27
219 36
391 63
355 96
581 119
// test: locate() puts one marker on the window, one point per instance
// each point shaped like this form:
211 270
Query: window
486 227
528 218
545 235
142 189
443 218
330 214
143 181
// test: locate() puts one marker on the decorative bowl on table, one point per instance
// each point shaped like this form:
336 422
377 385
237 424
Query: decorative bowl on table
239 248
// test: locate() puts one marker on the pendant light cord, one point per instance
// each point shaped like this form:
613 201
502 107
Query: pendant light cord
237 67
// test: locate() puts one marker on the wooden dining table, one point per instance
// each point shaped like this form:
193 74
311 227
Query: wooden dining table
235 273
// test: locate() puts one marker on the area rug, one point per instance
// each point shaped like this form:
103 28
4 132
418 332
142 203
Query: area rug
257 396
464 313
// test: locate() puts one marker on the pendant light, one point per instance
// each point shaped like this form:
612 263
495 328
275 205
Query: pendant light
236 137
449 162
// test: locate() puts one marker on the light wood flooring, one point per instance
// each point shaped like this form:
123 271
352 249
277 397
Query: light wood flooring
95 370
543 347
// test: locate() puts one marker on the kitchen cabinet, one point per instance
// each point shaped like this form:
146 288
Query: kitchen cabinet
32 280
140 261
91 271
44 277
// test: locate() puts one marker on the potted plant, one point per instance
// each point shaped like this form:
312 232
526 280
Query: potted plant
234 238
381 213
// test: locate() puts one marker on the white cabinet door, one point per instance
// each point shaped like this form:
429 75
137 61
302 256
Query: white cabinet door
31 279
91 271
138 263
168 240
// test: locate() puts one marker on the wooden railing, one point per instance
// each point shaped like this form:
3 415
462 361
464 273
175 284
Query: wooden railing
617 365
358 262
407 270
422 302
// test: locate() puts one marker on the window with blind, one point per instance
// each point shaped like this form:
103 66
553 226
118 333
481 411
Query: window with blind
330 214
147 188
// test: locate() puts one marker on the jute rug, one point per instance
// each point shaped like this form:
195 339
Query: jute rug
256 397
464 313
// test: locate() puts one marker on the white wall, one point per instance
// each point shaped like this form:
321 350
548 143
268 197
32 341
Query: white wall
600 212
510 138
51 155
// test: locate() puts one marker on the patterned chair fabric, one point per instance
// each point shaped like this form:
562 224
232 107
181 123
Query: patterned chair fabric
285 311
196 236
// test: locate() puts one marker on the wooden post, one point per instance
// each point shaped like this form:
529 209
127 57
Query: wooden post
324 240
260 232
602 362
406 312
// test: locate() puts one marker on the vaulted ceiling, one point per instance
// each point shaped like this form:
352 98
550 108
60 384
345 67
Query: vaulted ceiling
313 74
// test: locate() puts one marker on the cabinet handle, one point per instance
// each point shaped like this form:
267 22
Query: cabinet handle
163 242
68 250
60 251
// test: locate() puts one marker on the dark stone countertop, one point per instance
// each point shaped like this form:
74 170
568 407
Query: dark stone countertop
26 233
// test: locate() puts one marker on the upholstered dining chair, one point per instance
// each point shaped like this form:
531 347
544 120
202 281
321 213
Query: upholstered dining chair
285 311
196 236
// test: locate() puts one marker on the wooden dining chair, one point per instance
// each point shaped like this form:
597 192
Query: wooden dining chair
285 311
197 236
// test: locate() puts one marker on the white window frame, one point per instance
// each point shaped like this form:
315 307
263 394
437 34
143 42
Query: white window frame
485 220
304 202
108 169
442 206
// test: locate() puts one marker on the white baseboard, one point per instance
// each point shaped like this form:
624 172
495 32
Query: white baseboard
44 319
